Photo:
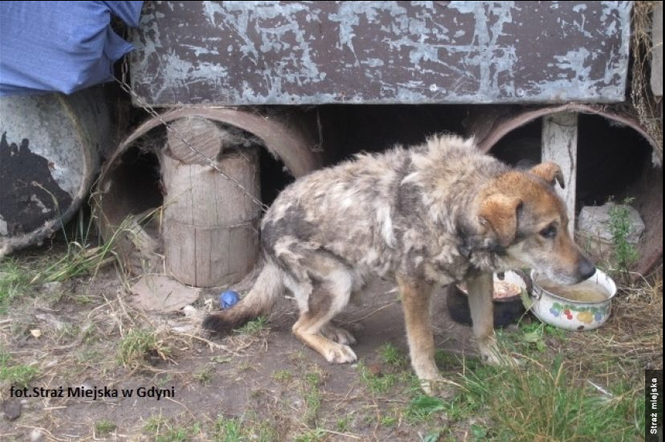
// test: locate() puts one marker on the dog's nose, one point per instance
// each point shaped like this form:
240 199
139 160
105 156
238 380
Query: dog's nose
587 269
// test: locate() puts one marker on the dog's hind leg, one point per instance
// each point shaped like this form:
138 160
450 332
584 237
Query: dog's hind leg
328 298
416 303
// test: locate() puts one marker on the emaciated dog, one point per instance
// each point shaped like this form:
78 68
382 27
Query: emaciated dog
436 214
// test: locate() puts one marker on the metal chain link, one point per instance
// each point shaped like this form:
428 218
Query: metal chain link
209 161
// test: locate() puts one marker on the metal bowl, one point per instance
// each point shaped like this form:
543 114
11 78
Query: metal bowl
506 310
573 315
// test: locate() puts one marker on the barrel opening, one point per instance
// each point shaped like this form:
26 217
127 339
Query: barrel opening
134 185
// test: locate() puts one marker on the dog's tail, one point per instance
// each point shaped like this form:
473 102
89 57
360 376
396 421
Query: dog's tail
259 301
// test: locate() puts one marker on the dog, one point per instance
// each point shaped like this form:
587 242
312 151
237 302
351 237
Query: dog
436 214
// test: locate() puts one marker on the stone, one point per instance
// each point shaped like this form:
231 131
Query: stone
594 221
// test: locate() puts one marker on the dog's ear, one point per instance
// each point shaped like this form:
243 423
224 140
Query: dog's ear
499 213
549 172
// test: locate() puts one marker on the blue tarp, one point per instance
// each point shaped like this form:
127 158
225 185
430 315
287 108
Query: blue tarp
60 46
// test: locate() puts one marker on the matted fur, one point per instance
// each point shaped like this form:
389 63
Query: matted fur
428 216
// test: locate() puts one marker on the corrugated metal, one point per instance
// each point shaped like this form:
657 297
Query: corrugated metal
252 53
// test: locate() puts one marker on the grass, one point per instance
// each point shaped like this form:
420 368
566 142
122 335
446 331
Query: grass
626 254
104 427
80 257
532 337
388 421
540 402
204 375
161 429
376 383
14 281
283 376
253 328
394 370
242 429
342 424
478 432
432 437
446 361
89 355
544 399
391 355
312 396
138 346
18 375
220 359
227 430
422 407
314 435
78 261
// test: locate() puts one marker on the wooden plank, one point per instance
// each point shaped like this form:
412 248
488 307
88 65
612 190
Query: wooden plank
559 144
180 255
213 255
244 242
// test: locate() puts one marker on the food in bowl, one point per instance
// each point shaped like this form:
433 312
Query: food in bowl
507 302
584 306
587 291
502 289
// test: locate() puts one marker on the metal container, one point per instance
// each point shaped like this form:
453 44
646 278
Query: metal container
506 310
312 53
573 315
49 155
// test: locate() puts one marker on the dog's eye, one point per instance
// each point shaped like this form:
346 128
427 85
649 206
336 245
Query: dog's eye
548 232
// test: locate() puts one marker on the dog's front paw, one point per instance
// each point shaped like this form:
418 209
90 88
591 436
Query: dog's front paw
493 356
340 354
438 387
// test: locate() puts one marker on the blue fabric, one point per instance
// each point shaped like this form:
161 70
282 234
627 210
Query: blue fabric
60 46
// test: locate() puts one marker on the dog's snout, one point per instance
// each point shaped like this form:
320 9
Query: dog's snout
586 269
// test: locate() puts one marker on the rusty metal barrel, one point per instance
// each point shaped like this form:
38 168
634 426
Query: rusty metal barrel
49 150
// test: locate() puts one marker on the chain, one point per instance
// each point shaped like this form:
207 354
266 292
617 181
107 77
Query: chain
209 161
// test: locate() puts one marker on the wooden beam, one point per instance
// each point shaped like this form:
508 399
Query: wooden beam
195 140
559 144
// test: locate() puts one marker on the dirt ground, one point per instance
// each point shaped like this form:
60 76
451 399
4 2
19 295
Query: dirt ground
258 384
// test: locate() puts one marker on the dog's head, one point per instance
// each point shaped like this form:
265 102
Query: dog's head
524 217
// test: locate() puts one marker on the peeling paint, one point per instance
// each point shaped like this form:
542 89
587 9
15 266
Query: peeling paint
51 135
273 52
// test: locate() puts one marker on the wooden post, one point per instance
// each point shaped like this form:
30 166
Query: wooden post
201 134
559 144
210 224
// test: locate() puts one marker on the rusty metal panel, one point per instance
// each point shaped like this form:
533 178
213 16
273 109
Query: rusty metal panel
271 52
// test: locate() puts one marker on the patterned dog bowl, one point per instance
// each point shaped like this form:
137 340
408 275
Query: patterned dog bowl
560 311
